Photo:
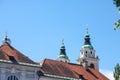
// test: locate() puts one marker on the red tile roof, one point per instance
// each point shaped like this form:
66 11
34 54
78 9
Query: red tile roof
53 67
7 52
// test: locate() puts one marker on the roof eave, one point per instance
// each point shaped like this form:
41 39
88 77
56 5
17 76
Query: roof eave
60 77
20 63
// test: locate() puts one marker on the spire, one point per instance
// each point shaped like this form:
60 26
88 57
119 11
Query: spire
6 40
87 29
62 49
62 55
87 37
63 41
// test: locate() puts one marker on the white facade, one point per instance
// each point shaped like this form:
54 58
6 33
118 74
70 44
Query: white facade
91 62
88 55
10 71
49 78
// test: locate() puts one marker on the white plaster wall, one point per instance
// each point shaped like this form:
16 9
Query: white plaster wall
94 61
21 72
2 76
49 78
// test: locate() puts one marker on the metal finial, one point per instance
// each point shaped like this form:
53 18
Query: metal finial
63 40
6 34
87 28
6 39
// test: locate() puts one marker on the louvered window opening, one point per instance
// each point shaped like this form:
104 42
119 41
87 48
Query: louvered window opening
12 77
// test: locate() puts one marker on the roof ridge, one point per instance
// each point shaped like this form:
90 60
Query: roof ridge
11 51
53 60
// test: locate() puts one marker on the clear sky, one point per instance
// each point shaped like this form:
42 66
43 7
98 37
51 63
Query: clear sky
36 28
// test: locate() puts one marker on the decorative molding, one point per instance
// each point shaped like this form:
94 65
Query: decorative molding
20 63
55 76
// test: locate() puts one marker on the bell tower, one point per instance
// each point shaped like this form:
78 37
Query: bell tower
87 54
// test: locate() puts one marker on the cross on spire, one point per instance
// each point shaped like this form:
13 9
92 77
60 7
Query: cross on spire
6 39
87 28
6 34
63 41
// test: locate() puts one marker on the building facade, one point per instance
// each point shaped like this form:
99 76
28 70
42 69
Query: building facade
86 68
14 65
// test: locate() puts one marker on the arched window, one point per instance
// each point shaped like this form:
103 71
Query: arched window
91 52
92 65
12 77
85 53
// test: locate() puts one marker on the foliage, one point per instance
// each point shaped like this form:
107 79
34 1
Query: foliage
117 3
117 72
117 23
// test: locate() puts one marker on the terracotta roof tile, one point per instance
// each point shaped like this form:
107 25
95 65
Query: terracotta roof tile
99 75
7 52
81 71
51 67
58 68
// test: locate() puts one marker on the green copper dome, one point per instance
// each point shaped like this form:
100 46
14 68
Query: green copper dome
90 47
87 43
63 56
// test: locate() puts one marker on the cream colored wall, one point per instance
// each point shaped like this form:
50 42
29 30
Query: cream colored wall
95 61
49 78
21 72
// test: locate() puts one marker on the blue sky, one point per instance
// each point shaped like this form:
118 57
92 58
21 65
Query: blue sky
36 28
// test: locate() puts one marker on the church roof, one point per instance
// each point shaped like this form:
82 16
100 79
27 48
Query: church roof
9 53
69 70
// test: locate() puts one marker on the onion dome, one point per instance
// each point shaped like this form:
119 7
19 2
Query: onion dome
62 56
87 43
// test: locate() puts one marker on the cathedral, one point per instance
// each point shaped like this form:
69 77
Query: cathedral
14 65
